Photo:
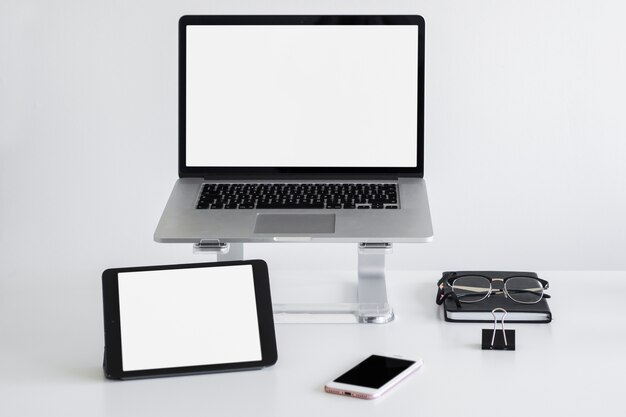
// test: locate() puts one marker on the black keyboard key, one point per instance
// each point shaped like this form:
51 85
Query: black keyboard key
267 206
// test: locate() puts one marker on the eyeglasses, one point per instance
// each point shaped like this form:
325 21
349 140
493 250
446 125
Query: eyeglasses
475 288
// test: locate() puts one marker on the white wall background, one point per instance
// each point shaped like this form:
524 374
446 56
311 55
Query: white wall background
525 134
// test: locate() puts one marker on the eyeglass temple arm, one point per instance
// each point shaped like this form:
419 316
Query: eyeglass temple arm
544 295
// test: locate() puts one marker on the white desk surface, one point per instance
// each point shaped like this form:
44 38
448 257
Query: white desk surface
51 355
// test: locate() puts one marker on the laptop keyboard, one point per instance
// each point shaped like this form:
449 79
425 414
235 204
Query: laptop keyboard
298 196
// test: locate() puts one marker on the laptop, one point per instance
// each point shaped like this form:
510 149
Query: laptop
300 128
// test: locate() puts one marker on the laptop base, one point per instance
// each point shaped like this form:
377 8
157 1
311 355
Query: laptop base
371 305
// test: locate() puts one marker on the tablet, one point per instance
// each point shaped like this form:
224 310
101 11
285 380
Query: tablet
187 319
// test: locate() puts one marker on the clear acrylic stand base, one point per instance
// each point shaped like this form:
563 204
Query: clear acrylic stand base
371 305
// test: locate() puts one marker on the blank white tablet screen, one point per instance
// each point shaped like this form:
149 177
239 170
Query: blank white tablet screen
188 317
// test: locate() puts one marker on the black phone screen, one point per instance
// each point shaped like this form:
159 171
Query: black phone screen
375 371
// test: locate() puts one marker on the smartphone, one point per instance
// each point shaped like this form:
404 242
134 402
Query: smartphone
373 377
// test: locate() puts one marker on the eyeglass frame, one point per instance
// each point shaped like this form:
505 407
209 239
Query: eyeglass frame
449 279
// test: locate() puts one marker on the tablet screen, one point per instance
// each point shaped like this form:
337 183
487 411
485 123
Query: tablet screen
188 317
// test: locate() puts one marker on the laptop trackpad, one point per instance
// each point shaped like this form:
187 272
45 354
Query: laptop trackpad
295 223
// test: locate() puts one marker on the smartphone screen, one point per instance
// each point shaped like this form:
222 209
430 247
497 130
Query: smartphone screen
375 371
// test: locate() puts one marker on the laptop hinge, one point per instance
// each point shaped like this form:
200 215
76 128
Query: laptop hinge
302 177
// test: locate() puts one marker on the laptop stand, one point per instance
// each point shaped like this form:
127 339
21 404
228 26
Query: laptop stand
371 305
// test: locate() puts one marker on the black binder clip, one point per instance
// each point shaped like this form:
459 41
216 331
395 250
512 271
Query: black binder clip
498 339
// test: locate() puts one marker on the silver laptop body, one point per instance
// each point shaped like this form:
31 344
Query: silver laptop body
300 128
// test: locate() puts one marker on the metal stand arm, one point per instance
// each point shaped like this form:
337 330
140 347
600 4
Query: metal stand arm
371 305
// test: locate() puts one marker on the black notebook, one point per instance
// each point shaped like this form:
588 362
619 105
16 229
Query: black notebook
480 312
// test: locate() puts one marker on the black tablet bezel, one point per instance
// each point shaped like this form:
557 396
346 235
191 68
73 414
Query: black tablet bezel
112 335
298 172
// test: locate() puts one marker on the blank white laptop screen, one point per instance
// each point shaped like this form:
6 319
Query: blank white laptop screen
188 317
301 96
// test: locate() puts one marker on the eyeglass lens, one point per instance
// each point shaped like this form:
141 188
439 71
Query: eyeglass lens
471 289
524 290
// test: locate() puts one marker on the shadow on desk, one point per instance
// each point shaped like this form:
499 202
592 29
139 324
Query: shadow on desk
94 373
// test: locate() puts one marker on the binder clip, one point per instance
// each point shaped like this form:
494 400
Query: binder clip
498 339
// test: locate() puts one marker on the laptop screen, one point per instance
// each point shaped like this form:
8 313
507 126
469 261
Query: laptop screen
301 96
